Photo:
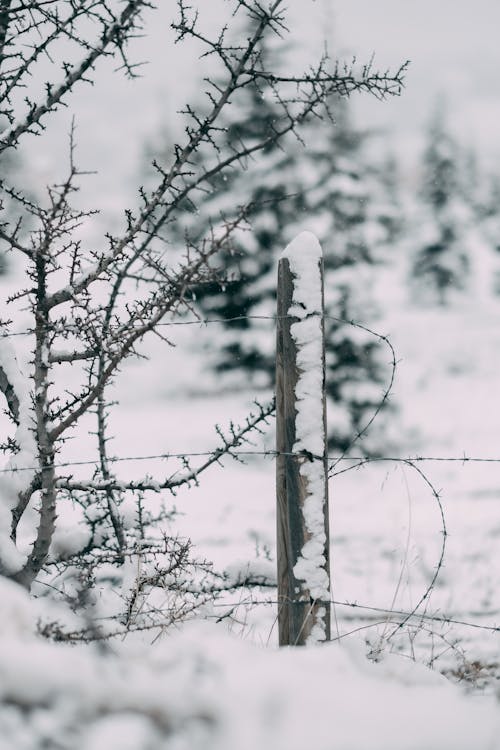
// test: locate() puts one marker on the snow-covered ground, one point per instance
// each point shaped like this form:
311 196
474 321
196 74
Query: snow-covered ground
202 687
206 687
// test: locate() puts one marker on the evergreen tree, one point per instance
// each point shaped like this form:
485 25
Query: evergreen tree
442 261
488 220
317 181
490 211
267 191
349 207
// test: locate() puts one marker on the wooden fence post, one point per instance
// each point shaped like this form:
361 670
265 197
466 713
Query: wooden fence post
302 469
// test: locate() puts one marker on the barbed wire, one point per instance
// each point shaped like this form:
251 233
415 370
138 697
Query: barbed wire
443 618
207 321
180 455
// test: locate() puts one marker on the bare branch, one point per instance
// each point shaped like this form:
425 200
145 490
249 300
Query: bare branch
237 436
10 394
113 37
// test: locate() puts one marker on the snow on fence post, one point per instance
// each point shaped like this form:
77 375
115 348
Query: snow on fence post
302 480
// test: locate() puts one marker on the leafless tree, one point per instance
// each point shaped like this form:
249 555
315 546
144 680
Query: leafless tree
81 314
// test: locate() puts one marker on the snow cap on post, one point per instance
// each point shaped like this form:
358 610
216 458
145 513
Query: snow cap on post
301 254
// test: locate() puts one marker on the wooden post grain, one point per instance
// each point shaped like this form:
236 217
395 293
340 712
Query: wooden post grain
300 616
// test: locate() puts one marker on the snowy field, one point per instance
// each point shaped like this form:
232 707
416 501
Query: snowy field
415 544
202 688
221 682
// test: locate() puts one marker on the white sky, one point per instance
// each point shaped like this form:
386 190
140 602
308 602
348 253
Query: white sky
454 49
